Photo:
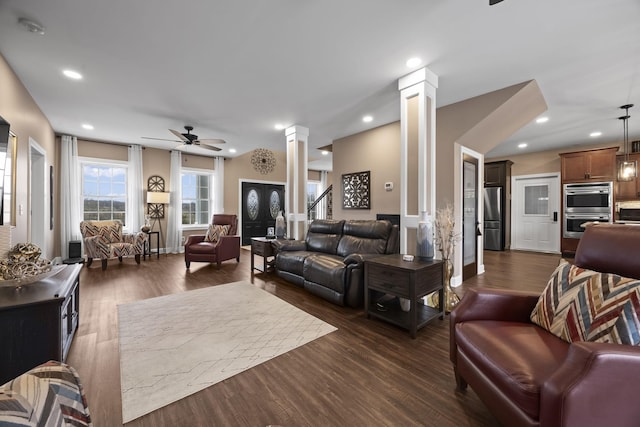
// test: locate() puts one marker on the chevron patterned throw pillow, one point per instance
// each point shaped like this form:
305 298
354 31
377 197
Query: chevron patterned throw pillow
585 305
215 232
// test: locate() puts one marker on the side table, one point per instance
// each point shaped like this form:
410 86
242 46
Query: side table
388 276
261 246
147 245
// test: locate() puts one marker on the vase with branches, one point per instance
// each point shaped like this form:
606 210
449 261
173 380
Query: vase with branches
446 239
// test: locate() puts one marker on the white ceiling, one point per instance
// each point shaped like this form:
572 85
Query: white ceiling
233 69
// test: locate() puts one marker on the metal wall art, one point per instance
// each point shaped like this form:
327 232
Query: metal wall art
263 160
356 190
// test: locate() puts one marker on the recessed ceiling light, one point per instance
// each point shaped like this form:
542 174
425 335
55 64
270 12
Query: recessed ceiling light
72 74
595 134
278 126
542 119
522 145
367 119
87 126
413 62
232 150
325 153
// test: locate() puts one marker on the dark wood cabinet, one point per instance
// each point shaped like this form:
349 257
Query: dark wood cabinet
590 165
628 190
497 174
38 322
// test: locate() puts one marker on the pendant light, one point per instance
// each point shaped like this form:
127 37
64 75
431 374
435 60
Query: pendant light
627 170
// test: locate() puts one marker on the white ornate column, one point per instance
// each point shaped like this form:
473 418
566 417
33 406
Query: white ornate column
418 151
296 192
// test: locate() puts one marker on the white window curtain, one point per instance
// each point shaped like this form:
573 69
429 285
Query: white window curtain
135 190
174 215
218 186
322 206
70 206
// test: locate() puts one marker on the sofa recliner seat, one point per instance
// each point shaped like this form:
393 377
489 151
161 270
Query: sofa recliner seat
330 261
527 376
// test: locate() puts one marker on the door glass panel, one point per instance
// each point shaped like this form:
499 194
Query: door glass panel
536 200
469 220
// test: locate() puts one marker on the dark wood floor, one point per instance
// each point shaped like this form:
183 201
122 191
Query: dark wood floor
367 373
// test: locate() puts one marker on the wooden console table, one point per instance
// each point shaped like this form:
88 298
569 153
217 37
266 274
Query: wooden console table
38 321
388 276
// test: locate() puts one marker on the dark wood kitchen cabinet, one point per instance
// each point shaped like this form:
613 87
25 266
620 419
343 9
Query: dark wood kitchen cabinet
497 174
589 165
38 321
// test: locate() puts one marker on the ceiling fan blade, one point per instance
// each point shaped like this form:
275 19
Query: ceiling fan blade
208 147
492 2
179 135
159 139
212 141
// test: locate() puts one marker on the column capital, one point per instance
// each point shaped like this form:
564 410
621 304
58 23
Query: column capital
422 75
299 130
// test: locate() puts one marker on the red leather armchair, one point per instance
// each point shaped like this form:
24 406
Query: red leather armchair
529 377
228 247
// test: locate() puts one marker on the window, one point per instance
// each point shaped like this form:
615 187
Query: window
104 191
313 192
196 198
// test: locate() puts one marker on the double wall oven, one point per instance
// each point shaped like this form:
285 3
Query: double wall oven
585 202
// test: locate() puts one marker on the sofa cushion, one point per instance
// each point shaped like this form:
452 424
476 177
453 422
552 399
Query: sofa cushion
517 358
365 237
292 261
328 270
111 233
215 232
586 305
324 235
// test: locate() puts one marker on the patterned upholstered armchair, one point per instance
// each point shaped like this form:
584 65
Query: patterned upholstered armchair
104 240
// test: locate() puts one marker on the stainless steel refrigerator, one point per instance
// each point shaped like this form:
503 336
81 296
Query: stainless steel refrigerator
493 219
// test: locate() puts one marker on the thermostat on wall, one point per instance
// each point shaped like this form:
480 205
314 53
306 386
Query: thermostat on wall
388 186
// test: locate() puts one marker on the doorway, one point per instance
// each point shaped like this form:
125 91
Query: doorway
536 201
261 203
38 196
470 223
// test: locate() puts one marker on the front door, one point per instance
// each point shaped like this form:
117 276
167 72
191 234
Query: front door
260 206
536 202
470 217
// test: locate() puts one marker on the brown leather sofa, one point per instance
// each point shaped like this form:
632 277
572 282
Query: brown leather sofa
197 250
330 261
529 377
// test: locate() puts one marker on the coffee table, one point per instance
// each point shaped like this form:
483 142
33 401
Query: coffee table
388 276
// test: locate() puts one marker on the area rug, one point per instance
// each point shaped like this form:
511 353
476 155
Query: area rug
176 345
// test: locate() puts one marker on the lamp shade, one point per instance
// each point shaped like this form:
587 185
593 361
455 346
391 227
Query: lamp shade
158 197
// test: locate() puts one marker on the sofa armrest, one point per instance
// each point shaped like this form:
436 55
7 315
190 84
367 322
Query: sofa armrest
595 385
193 239
490 304
359 258
96 247
289 245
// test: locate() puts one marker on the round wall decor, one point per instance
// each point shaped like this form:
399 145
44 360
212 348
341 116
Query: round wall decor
263 160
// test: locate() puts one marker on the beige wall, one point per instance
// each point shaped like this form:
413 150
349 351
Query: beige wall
481 123
376 150
27 121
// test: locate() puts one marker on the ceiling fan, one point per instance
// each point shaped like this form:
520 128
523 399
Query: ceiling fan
191 139
492 2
